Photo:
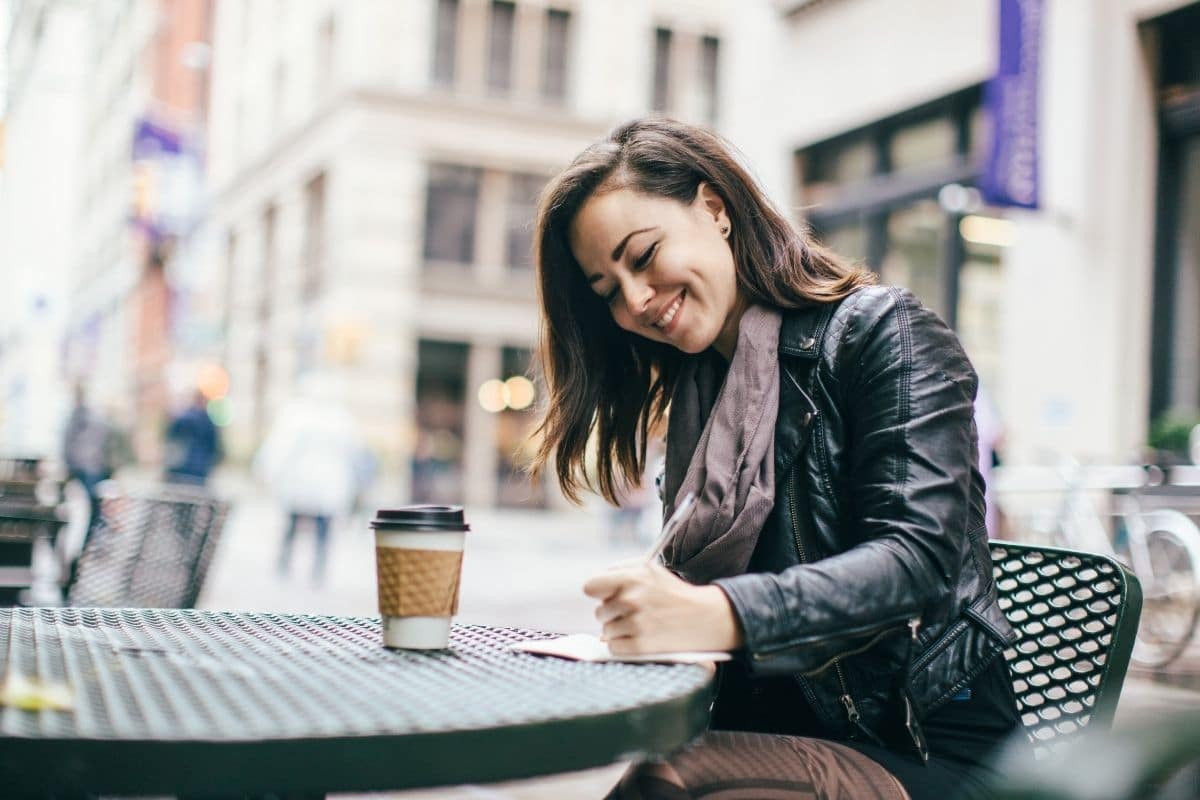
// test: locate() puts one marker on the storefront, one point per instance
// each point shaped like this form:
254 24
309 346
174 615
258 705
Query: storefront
1175 362
899 195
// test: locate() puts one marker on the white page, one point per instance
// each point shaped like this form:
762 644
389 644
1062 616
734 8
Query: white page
585 647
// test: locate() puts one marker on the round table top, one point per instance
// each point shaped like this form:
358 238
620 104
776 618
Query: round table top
173 701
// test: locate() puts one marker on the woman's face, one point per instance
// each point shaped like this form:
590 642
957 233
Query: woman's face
664 267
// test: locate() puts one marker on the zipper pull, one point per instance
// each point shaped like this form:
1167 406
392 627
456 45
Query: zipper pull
851 711
856 721
914 625
914 729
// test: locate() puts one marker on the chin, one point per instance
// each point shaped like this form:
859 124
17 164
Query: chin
692 346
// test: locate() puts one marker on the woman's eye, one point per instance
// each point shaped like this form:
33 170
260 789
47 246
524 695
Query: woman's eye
611 297
645 257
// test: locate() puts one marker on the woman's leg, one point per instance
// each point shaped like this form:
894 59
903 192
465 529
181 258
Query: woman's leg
734 765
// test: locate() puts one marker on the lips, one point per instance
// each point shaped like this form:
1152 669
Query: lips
669 314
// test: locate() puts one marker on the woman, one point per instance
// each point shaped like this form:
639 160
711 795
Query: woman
837 542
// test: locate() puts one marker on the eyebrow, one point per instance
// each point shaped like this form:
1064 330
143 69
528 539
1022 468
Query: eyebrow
618 250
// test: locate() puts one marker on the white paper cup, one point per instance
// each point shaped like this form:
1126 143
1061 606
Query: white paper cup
418 559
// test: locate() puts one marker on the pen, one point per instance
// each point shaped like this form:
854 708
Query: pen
655 552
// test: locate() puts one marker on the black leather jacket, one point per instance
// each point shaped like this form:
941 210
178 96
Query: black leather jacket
871 583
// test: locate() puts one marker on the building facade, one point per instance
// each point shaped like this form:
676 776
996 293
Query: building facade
1080 315
46 83
371 171
375 168
106 100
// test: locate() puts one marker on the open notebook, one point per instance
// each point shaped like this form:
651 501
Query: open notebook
585 647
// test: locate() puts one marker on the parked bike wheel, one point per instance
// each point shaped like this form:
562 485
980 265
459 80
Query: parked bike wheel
1171 592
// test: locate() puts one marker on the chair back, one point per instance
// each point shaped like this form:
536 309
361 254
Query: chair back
1076 617
150 549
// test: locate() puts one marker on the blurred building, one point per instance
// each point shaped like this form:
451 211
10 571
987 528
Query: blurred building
371 170
374 169
46 83
107 108
1082 314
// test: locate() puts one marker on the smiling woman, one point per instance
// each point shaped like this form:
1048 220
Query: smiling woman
655 192
824 425
655 272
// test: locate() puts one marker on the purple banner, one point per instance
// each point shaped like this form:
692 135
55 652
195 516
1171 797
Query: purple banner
1010 175
152 139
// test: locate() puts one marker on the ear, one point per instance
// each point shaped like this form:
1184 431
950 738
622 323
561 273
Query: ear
712 203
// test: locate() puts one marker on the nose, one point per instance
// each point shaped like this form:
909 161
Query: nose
637 293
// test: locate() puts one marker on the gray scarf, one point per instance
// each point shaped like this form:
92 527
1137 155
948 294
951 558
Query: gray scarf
726 455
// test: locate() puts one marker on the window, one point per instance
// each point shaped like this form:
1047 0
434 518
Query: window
523 193
873 196
554 58
314 244
930 141
437 468
1175 325
500 46
831 167
709 47
445 42
662 70
913 255
452 200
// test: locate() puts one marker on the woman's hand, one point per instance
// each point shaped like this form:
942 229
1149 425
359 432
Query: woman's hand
644 608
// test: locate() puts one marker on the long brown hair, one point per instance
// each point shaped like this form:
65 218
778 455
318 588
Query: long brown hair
605 379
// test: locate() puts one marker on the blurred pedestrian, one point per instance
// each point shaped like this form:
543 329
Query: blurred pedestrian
91 451
193 445
315 463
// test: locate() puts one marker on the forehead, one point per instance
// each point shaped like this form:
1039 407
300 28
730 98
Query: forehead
606 218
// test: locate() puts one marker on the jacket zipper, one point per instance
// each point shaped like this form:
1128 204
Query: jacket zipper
852 714
911 723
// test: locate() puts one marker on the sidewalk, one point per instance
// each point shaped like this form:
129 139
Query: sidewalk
520 569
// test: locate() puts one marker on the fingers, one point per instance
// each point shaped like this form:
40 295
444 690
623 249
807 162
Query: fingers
621 635
612 581
612 609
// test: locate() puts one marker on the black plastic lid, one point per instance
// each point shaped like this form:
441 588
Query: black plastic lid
445 518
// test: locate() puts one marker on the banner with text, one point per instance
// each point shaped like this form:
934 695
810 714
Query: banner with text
1010 175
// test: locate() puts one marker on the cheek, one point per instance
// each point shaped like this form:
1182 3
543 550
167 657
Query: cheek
622 317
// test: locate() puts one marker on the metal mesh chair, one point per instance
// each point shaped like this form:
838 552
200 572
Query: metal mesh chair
25 518
149 549
1076 617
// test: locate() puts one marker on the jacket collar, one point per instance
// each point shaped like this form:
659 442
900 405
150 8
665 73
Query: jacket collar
804 329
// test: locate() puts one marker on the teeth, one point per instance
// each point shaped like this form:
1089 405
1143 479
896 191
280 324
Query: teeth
666 318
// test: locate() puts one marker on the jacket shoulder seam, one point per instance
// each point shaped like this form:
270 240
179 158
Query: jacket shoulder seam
903 390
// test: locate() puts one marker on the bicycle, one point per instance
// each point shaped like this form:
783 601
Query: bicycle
1160 546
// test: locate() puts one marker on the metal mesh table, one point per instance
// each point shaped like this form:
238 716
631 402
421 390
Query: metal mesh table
190 702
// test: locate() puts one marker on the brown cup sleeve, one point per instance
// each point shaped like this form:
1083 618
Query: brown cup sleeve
418 583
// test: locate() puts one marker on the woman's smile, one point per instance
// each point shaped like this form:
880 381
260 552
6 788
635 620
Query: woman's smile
668 321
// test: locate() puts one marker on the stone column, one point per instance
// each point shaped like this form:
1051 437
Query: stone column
490 229
472 49
479 436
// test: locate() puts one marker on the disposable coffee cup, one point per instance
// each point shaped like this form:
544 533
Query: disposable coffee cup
418 562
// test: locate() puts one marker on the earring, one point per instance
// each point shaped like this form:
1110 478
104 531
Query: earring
725 231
